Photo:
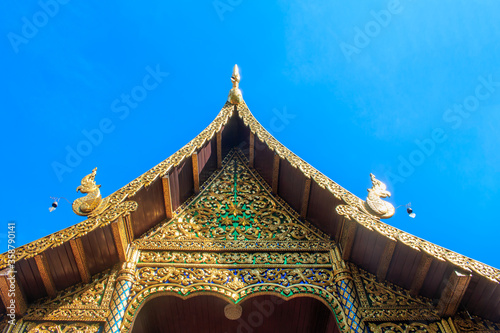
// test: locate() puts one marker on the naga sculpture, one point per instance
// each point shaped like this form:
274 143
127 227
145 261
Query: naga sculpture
92 202
374 204
235 96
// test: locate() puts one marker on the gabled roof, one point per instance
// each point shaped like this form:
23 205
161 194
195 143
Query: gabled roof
71 255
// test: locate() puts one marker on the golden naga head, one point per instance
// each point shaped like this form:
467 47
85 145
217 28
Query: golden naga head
235 96
374 204
378 187
91 203
88 183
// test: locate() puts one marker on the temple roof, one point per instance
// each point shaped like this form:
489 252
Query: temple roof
73 254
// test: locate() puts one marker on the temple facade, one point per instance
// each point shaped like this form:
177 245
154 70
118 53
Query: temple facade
235 233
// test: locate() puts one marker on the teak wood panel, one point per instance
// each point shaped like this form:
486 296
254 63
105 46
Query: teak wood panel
100 249
181 183
62 266
321 210
362 252
431 286
403 266
264 158
291 185
207 160
30 280
479 297
151 207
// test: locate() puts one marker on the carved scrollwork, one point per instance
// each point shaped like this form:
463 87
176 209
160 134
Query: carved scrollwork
405 328
235 258
466 323
208 245
81 302
186 276
235 206
50 327
234 279
385 294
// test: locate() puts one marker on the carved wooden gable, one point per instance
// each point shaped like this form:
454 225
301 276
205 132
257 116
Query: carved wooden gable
236 206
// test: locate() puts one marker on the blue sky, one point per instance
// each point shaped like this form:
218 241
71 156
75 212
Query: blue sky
407 90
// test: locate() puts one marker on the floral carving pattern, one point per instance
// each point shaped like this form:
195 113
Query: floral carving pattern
236 206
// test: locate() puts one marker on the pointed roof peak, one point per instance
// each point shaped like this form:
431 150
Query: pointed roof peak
235 96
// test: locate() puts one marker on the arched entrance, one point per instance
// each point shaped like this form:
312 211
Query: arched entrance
261 313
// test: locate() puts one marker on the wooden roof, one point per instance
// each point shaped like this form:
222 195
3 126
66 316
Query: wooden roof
74 254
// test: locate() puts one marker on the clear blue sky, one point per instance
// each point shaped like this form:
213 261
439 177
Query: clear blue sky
408 90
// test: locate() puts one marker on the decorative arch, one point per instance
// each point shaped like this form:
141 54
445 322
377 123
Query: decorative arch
232 296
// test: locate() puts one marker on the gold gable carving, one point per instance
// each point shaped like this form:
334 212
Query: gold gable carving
237 206
81 302
468 324
384 301
50 327
405 328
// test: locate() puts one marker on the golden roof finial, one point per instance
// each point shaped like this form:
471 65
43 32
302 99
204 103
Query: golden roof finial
92 202
374 204
235 96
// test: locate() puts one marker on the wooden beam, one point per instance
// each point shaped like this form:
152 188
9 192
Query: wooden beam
276 173
167 196
251 153
347 240
43 268
196 174
422 270
120 238
385 259
11 295
305 198
80 258
219 149
452 294
128 228
340 228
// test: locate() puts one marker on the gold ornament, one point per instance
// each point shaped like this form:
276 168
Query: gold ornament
62 328
374 203
92 203
235 96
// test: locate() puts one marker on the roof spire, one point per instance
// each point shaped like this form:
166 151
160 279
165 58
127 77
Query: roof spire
235 96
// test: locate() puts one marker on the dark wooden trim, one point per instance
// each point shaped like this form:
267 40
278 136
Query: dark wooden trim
452 294
196 174
422 270
128 228
219 149
340 229
167 196
347 240
385 259
80 259
305 198
120 238
251 152
276 173
43 268
7 294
